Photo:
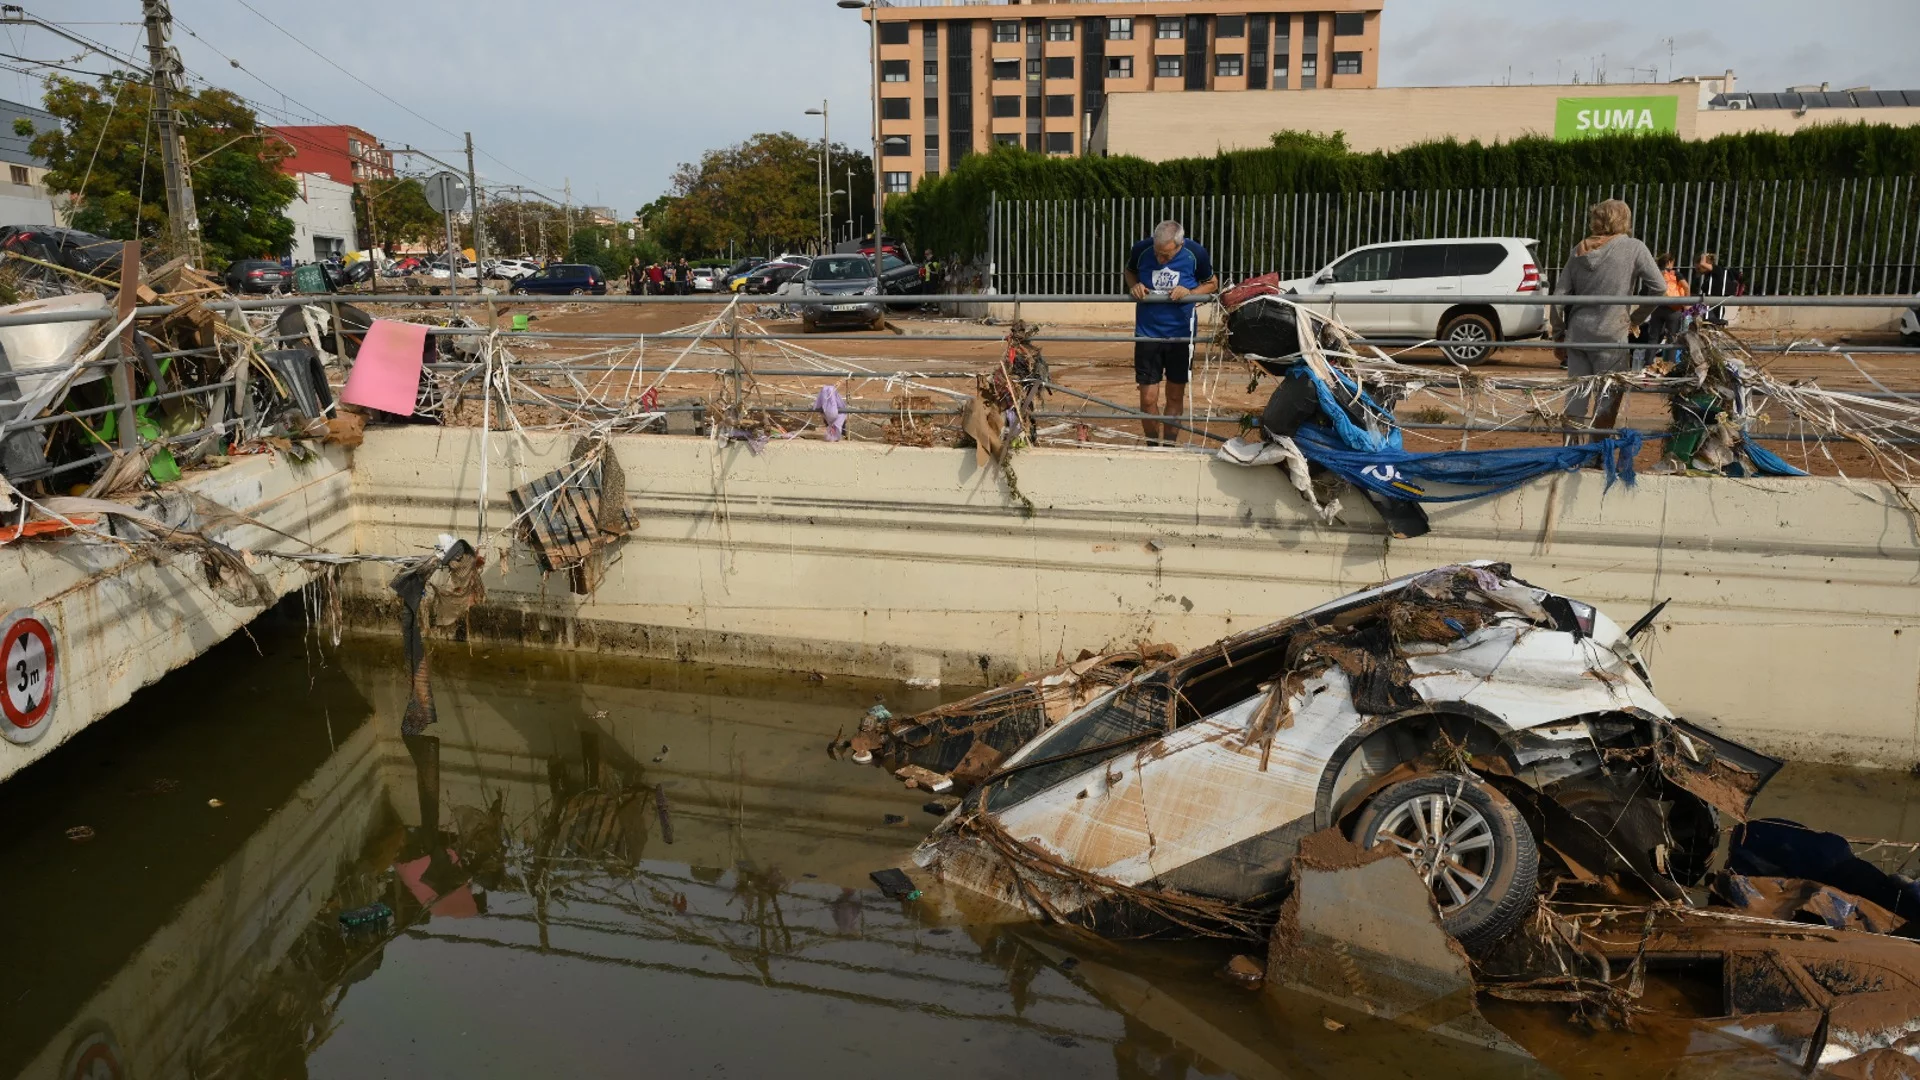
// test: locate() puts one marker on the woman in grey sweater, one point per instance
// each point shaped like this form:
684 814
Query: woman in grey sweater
1609 262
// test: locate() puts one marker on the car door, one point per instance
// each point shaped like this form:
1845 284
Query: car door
1370 272
1424 271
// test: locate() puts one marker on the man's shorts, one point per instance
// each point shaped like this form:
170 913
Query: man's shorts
1154 360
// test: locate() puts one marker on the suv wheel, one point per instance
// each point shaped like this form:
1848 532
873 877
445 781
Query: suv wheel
579 292
1469 844
1468 339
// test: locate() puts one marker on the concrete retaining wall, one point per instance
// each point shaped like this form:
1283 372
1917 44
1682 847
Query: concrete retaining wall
1795 622
120 620
1755 319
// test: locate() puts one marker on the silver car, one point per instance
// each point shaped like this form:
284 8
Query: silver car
849 280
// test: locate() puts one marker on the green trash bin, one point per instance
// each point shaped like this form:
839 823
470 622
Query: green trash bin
519 322
309 279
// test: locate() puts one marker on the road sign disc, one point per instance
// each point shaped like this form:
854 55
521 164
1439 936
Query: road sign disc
27 661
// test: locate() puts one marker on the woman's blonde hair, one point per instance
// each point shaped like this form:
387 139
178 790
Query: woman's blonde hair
1610 217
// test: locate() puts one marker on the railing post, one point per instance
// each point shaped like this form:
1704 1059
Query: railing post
123 381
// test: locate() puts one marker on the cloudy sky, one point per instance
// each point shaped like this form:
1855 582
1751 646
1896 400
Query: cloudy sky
612 94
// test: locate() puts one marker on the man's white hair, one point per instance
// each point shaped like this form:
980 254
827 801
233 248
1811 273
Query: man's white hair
1169 232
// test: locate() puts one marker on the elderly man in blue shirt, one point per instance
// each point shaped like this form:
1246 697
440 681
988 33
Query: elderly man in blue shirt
1166 265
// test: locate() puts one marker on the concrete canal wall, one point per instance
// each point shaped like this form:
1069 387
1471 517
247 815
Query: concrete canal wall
1795 621
120 619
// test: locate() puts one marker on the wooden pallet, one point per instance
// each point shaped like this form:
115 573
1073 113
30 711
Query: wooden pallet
564 528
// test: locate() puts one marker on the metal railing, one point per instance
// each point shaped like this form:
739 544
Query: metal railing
227 397
1800 237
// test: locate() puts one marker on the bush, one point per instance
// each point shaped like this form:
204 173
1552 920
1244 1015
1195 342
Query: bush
949 212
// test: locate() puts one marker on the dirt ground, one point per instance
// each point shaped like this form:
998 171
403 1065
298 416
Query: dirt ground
922 343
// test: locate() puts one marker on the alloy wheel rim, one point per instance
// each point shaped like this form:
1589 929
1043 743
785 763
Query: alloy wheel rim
1449 843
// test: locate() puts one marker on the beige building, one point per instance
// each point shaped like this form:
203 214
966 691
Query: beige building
1695 107
957 78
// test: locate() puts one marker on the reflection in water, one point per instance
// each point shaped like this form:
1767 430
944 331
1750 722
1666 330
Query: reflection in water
566 896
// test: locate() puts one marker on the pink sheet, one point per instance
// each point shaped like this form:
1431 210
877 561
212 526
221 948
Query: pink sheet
386 374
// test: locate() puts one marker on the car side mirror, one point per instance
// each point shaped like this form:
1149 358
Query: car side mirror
1324 279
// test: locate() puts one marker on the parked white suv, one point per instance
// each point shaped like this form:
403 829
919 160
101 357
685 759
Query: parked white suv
512 269
1471 266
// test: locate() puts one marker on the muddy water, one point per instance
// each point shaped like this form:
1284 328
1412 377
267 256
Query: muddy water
594 868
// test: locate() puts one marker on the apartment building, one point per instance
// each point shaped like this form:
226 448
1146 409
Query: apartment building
957 78
339 152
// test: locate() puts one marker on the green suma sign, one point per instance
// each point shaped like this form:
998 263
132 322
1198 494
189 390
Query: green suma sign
1587 117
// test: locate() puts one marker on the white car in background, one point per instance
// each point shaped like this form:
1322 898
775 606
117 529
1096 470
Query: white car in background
1910 326
706 278
512 269
1465 267
438 270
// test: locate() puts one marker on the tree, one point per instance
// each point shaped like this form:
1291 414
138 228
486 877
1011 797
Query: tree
760 194
106 154
396 212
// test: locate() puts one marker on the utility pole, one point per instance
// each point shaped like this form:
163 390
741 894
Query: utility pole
183 219
479 221
568 209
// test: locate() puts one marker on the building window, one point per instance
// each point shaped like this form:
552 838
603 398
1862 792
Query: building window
1059 104
896 108
1228 64
1309 72
1006 31
1349 24
1006 105
1033 70
932 144
1059 67
1007 138
1033 30
1282 25
1059 142
1346 63
19 174
1310 27
1166 28
1280 72
898 182
893 33
1119 67
1119 29
1231 26
1006 69
931 69
930 107
897 146
1059 29
1168 67
893 71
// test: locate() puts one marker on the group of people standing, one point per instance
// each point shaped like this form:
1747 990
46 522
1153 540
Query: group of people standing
672 278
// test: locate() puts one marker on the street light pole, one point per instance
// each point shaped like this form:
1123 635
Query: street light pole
879 177
825 172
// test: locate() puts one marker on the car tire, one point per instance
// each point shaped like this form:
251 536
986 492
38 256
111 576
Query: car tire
519 292
1502 856
579 292
1475 335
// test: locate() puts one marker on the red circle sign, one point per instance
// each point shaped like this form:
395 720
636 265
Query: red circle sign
27 657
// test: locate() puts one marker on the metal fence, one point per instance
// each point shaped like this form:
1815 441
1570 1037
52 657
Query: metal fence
1789 237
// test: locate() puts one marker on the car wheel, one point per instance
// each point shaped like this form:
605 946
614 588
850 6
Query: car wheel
1468 339
519 292
579 292
1470 845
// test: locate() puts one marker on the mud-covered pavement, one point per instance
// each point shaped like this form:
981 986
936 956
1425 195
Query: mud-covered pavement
622 865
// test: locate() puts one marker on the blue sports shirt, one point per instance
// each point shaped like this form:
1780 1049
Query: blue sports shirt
1189 268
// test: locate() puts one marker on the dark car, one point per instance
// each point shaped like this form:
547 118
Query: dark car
849 280
573 279
258 276
768 278
749 263
899 277
71 248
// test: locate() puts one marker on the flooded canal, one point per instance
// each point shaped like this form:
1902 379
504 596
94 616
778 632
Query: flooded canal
598 868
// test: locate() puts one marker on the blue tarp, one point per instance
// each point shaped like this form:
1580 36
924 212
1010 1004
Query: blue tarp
1378 462
1473 474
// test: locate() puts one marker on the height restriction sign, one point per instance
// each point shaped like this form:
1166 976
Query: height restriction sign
27 663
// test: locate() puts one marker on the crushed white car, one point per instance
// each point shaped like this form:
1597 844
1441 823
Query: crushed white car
1493 731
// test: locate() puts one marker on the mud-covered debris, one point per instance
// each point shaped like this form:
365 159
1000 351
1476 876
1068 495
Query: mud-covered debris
1244 970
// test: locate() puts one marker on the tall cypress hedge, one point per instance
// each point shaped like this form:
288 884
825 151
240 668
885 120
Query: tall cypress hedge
949 213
